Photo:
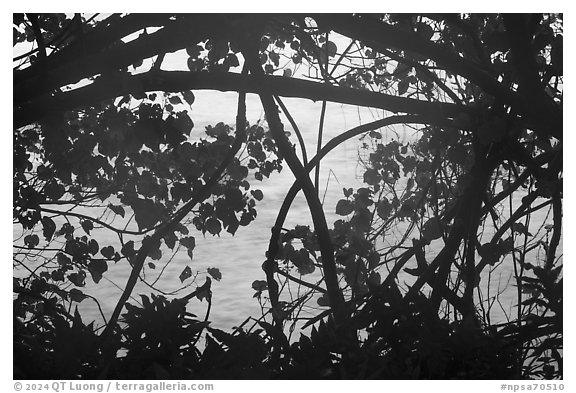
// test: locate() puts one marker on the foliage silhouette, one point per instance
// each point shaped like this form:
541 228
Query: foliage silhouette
108 169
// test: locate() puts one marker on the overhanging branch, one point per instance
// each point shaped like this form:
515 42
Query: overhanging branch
176 81
380 35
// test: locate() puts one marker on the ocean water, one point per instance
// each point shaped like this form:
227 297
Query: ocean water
239 258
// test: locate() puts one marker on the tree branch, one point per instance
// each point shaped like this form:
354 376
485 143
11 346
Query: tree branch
38 35
524 59
172 37
379 34
285 147
270 265
106 87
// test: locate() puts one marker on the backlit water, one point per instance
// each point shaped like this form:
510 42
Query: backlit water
240 257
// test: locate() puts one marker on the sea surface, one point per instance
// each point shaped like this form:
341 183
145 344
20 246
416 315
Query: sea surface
239 258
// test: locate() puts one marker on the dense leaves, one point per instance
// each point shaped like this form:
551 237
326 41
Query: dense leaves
113 170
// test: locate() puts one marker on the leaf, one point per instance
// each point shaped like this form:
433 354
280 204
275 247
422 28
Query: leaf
432 230
170 240
76 295
128 249
87 225
373 280
401 70
63 260
323 301
31 241
146 213
117 209
194 51
264 42
53 190
410 184
347 192
275 58
344 207
257 194
491 252
137 63
403 86
371 177
425 30
330 48
77 278
189 242
93 247
107 252
375 135
263 58
232 60
175 100
236 170
234 199
97 267
302 261
205 293
189 97
215 273
48 228
181 228
186 274
259 285
57 275
213 226
195 64
232 224
521 228
287 73
155 254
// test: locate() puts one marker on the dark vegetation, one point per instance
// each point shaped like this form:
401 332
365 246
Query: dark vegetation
479 190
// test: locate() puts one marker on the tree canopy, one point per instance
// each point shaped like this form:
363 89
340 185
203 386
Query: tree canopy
399 286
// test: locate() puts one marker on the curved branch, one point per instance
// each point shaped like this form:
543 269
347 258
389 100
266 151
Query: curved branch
471 202
296 186
285 147
112 86
296 129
